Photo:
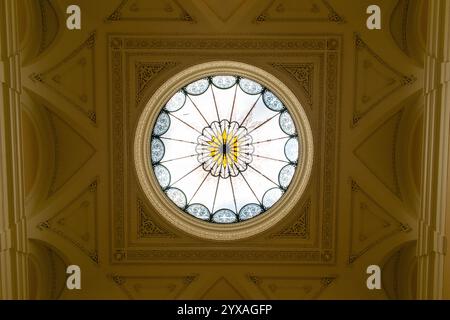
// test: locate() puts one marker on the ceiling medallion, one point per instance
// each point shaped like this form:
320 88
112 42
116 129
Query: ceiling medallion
230 148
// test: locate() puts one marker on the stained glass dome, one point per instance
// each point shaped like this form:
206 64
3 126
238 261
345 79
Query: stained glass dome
224 149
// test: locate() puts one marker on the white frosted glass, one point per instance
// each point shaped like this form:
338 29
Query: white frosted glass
222 153
242 192
271 197
257 183
224 99
176 101
224 81
197 87
224 199
189 114
205 103
272 149
176 150
269 168
243 105
191 182
181 131
258 118
179 168
205 194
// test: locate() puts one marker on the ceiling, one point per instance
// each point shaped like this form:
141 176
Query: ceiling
85 89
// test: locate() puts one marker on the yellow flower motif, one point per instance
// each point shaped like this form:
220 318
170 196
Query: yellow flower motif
225 148
224 151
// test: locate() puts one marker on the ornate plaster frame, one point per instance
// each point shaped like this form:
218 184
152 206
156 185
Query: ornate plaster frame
170 211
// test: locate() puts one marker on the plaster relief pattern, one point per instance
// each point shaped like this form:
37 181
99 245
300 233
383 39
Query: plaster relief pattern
77 222
74 79
298 288
375 80
322 250
155 10
371 224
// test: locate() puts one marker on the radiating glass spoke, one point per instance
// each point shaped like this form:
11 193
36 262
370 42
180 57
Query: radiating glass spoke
179 140
262 174
185 123
186 175
251 189
270 140
201 114
263 123
215 194
234 197
269 158
234 102
215 103
179 158
189 202
251 109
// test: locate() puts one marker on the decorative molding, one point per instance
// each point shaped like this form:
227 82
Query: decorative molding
56 289
326 48
85 103
330 153
398 24
135 287
48 13
145 72
13 226
217 7
59 147
363 103
303 73
432 242
399 272
169 7
219 286
297 287
385 226
54 225
187 223
145 43
392 144
52 272
300 226
147 227
312 14
214 255
333 16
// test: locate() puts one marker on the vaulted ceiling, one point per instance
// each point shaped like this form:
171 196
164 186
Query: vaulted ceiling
84 91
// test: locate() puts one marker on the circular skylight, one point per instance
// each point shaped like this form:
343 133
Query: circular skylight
224 149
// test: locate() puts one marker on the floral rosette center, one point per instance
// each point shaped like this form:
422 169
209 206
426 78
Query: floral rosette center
225 149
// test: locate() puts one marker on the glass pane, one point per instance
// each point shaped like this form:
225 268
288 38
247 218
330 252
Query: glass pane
162 124
272 102
177 196
199 211
162 175
225 152
286 175
197 87
224 216
271 197
224 82
249 211
286 123
291 149
176 101
157 150
250 86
